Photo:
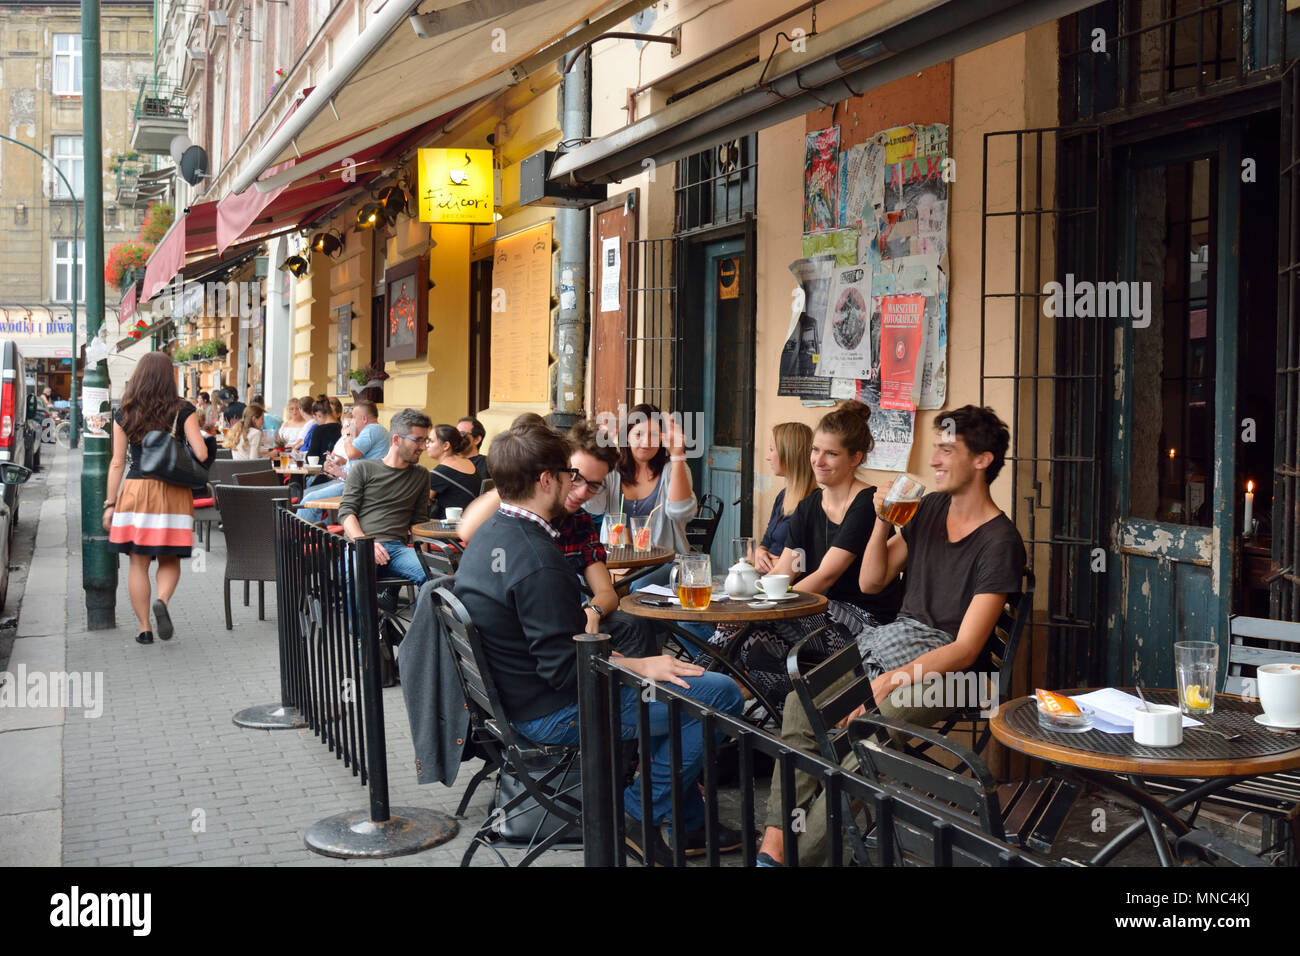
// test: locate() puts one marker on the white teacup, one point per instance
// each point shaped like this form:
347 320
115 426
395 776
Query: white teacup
1279 692
774 585
313 460
1159 725
453 514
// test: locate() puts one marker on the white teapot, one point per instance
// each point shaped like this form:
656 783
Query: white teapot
742 580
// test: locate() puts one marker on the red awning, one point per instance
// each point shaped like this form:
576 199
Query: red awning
129 302
253 213
195 230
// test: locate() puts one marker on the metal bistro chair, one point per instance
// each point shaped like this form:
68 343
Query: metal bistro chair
1034 810
701 529
249 518
968 793
262 479
554 790
1275 796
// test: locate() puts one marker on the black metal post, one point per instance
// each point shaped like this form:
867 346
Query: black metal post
372 689
594 741
285 715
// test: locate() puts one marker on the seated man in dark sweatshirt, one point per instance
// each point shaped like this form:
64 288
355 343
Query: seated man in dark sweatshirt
525 601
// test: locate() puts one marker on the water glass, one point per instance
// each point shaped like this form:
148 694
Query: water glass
641 532
742 549
1197 665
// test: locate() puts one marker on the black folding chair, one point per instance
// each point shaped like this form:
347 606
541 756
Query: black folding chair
555 790
701 529
967 793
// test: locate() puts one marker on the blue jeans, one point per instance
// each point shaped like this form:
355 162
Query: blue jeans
403 562
714 690
330 489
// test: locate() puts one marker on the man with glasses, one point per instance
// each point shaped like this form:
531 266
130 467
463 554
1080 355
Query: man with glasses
592 454
384 497
525 602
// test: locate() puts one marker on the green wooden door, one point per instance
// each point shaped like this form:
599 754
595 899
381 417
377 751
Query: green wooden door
1174 410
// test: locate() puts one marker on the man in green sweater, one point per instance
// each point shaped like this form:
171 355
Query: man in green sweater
384 497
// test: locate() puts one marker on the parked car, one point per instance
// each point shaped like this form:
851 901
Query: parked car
18 437
12 475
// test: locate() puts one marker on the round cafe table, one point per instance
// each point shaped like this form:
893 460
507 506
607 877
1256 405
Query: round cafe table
746 612
1117 763
298 470
640 564
436 530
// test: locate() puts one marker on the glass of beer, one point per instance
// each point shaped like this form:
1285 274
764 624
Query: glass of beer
694 581
902 499
285 458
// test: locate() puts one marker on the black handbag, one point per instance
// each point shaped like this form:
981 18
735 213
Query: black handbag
168 458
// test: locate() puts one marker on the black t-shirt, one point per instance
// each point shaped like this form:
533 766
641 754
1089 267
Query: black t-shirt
323 439
454 489
812 530
480 466
133 449
942 576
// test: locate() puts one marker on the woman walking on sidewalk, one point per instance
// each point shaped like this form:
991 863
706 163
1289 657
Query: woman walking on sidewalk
147 518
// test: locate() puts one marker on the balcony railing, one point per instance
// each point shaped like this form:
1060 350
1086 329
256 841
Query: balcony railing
159 116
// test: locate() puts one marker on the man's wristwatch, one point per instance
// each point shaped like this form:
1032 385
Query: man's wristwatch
600 611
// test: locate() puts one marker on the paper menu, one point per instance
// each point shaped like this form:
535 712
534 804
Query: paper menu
1112 710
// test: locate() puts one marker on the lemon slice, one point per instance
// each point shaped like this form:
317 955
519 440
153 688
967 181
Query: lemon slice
1198 697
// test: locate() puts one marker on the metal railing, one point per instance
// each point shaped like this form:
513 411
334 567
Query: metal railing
330 681
159 98
600 682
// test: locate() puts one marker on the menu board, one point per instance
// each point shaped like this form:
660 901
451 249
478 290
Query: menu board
521 316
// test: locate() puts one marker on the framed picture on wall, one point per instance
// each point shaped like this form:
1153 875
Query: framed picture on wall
343 348
406 325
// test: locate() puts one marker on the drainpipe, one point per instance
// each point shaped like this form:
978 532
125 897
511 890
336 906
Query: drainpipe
571 324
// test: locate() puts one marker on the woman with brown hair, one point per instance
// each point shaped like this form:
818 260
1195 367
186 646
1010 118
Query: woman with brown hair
789 453
823 554
147 518
329 429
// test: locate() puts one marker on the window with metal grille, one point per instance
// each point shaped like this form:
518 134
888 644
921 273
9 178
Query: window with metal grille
651 323
717 185
1048 385
1126 56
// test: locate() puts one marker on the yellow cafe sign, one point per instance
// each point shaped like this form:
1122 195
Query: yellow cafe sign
456 185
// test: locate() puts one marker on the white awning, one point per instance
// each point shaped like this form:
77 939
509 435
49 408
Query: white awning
866 51
391 80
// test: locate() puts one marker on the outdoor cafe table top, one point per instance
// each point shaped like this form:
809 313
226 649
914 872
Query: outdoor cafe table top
327 504
731 611
624 556
1259 750
298 470
436 529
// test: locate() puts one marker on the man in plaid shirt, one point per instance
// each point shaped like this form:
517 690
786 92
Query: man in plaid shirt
593 455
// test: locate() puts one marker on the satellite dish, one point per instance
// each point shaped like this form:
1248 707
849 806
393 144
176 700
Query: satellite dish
179 145
194 165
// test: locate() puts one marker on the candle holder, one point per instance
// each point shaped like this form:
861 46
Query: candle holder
1251 529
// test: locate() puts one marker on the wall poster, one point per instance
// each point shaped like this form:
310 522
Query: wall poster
821 169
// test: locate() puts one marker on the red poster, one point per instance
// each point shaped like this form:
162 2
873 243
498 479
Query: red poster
901 327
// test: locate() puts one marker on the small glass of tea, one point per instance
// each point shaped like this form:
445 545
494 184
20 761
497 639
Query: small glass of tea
902 499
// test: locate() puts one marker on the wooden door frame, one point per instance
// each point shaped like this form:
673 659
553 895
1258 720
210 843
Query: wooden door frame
626 281
1222 142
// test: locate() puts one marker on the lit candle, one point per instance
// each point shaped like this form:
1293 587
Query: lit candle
1250 507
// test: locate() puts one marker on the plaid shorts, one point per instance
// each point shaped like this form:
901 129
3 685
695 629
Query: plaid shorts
900 642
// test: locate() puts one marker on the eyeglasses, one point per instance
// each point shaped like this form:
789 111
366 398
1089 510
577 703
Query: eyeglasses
415 441
581 481
573 473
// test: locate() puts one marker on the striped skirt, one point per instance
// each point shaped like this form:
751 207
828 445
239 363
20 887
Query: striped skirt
153 517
